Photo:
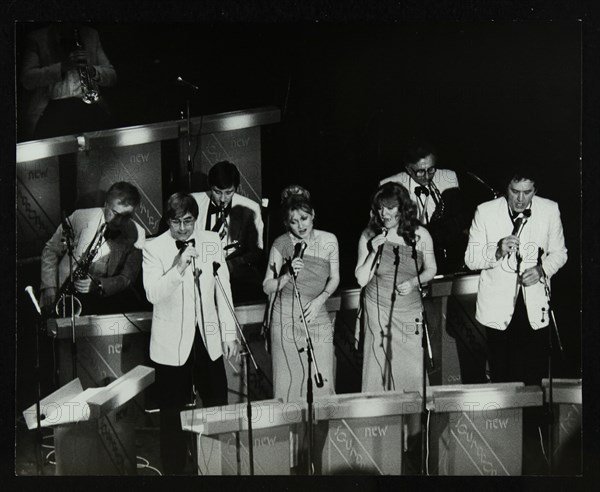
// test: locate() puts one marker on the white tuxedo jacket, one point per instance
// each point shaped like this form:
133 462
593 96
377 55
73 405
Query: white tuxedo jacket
497 290
177 309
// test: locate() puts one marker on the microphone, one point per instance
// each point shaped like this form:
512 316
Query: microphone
216 266
520 222
299 250
29 290
489 187
379 251
67 229
298 253
189 84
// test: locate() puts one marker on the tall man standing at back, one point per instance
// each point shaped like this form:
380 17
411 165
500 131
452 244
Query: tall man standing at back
437 197
193 329
238 222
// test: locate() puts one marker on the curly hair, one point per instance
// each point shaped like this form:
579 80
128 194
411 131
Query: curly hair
398 194
293 198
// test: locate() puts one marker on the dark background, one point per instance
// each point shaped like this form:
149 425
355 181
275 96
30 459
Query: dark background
488 94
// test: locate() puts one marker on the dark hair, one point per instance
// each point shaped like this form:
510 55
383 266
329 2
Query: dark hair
224 175
180 204
293 198
521 173
408 223
418 149
124 191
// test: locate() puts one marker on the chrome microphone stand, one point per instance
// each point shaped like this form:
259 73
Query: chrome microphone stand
69 240
38 379
387 349
247 352
190 164
318 376
552 320
427 352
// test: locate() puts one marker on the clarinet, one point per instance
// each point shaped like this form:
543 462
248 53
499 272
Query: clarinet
82 270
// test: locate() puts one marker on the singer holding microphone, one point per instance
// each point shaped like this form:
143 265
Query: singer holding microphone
193 329
503 243
393 233
312 256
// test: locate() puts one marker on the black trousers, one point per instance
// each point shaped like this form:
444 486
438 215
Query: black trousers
174 388
518 353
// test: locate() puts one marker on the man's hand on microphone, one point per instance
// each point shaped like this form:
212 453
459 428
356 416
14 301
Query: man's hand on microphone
531 276
506 245
185 258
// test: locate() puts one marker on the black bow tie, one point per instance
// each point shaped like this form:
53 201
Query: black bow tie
421 189
182 244
215 209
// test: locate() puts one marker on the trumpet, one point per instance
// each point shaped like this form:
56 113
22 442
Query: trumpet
65 294
89 88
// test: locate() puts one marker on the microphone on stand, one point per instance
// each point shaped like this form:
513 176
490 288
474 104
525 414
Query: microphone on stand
298 253
489 187
185 82
520 222
29 290
379 251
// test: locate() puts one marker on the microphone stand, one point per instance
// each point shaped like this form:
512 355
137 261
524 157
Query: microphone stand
318 377
70 246
550 409
38 380
190 164
387 373
426 350
247 353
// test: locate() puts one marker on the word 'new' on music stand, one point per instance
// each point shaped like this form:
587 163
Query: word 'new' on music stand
93 431
223 438
477 429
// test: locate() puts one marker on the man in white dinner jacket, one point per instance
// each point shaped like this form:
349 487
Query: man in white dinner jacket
517 242
193 328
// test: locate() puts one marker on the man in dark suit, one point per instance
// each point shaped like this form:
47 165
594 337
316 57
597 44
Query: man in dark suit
238 221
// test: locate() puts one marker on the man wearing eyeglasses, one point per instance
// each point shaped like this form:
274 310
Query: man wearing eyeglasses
439 204
238 222
114 267
193 329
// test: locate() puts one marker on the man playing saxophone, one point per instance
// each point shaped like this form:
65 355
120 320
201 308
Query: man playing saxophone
106 246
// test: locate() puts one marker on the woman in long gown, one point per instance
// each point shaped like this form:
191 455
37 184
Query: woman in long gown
392 333
317 277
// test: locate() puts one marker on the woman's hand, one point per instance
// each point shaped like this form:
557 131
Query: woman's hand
405 287
312 308
297 265
377 241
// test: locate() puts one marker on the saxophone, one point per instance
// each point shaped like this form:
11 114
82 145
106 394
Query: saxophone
89 88
438 213
65 297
